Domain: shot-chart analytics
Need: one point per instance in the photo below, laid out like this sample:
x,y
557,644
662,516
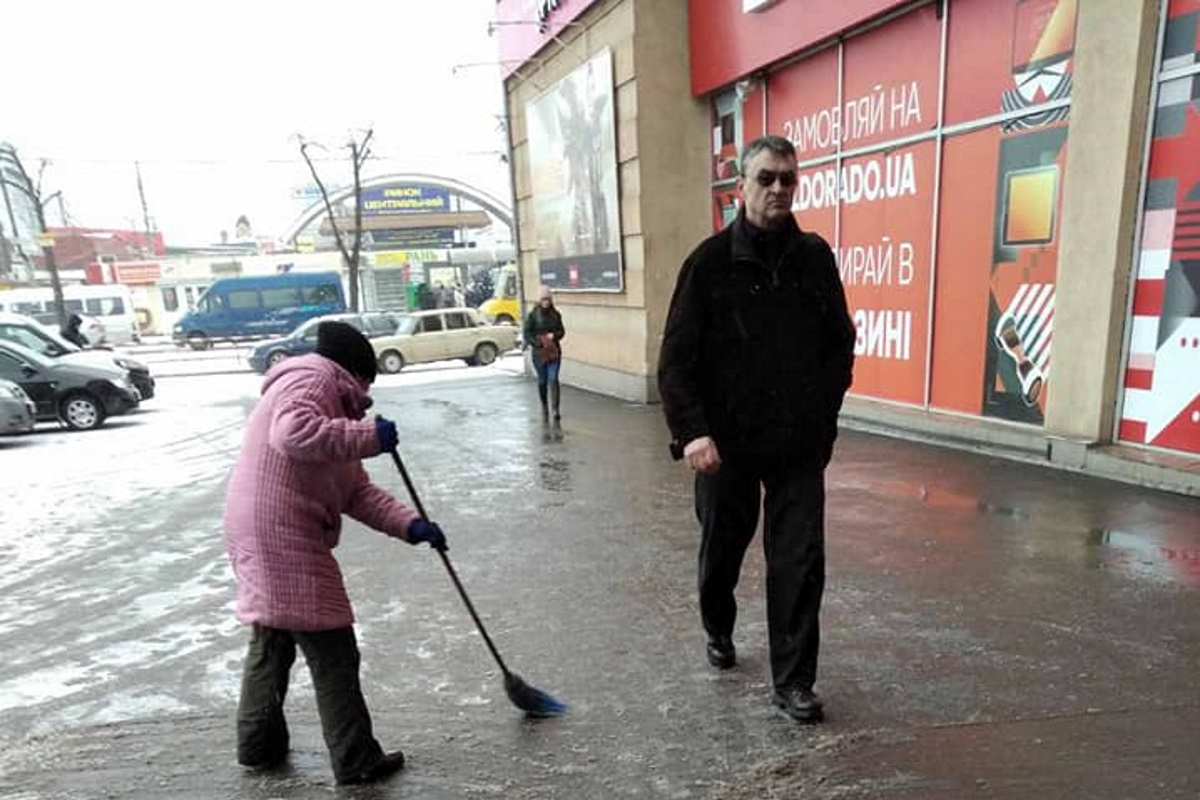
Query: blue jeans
x,y
547,372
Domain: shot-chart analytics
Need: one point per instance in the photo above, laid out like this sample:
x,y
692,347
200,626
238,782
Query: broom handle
x,y
462,592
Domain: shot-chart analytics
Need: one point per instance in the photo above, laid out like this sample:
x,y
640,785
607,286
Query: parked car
x,y
28,332
442,334
82,396
304,338
17,413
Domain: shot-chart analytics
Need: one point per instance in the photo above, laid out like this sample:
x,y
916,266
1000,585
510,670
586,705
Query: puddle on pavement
x,y
1174,558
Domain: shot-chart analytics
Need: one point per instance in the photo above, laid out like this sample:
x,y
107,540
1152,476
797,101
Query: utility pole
x,y
145,212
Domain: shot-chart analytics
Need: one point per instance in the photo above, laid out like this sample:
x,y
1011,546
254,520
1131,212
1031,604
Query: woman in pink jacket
x,y
299,470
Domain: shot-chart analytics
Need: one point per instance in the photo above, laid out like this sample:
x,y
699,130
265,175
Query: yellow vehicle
x,y
504,307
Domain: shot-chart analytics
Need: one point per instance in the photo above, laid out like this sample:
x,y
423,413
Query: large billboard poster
x,y
573,167
1001,193
1161,400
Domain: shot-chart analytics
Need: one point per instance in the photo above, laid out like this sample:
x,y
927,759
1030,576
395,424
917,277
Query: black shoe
x,y
384,768
721,653
800,704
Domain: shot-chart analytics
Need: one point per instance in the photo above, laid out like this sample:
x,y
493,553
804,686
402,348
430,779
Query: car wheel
x,y
275,357
485,354
505,319
391,362
198,341
81,412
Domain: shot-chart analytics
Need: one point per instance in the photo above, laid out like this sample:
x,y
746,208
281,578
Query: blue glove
x,y
385,429
421,531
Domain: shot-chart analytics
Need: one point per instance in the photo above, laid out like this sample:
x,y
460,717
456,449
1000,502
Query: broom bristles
x,y
534,702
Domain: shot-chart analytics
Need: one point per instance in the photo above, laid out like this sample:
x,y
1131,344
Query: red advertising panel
x,y
890,84
804,105
1008,55
997,265
816,201
967,219
1161,400
884,256
727,41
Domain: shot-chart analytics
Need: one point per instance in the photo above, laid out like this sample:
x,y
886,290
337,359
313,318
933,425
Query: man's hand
x,y
702,456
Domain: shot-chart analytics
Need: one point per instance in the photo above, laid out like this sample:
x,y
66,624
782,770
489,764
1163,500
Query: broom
x,y
534,702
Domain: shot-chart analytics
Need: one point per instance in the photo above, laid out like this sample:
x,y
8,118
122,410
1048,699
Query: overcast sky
x,y
209,96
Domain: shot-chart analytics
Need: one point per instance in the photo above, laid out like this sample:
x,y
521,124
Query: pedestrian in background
x,y
544,333
756,357
72,333
299,470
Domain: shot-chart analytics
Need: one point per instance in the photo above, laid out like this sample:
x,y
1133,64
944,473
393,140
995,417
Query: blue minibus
x,y
252,307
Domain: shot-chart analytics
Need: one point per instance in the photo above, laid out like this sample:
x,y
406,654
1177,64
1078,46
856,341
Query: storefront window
x,y
972,238
890,80
802,105
1161,398
1008,56
884,255
998,237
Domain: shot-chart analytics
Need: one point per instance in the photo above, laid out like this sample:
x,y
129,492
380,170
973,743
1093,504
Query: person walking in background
x,y
544,333
298,471
72,333
757,355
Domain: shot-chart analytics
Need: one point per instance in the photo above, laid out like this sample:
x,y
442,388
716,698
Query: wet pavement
x,y
990,629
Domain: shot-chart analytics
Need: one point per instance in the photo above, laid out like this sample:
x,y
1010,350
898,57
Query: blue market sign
x,y
404,199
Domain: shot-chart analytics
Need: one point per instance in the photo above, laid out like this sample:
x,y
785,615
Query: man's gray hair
x,y
776,144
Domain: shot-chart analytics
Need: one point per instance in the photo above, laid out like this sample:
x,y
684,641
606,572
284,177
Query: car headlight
x,y
17,392
178,329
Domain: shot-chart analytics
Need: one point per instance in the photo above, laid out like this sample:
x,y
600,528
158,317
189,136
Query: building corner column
x,y
1114,53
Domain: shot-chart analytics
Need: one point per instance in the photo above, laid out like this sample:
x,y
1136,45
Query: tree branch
x,y
337,233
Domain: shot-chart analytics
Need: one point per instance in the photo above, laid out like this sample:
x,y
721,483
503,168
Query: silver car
x,y
17,412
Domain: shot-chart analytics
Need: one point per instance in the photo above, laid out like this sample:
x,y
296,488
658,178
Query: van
x,y
235,309
111,304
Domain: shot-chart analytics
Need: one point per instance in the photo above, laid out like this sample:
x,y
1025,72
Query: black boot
x,y
554,393
542,396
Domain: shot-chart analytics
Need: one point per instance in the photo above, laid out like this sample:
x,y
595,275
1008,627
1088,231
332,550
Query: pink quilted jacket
x,y
300,469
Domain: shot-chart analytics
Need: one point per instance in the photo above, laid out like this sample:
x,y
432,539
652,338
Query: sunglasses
x,y
766,178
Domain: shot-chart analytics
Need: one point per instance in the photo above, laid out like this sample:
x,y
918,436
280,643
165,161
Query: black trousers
x,y
333,661
727,505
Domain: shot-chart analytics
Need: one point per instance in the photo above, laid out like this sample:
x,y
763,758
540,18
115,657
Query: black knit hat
x,y
343,344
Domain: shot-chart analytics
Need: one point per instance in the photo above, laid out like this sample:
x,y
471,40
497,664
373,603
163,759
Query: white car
x,y
17,412
443,334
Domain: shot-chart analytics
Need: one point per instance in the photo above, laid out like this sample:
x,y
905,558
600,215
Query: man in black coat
x,y
756,357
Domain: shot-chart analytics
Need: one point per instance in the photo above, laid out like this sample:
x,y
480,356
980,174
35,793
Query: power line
x,y
210,162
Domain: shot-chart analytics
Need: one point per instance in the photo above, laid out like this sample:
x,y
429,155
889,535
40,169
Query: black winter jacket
x,y
757,355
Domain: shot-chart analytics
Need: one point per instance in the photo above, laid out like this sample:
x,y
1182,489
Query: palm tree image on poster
x,y
573,169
